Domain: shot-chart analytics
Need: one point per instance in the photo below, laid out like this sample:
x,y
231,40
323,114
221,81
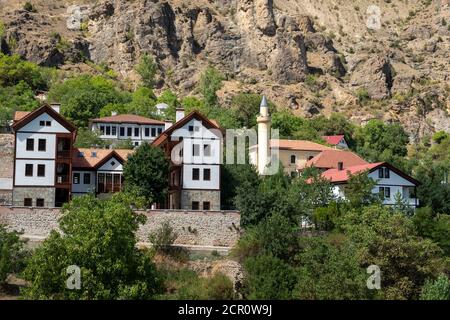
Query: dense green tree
x,y
268,278
14,70
170,98
296,199
388,239
433,226
246,108
210,82
359,190
231,178
287,123
147,69
377,141
276,236
438,289
12,253
18,97
147,171
84,96
434,190
98,236
330,270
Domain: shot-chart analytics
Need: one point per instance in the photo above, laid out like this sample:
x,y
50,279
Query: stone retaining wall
x,y
194,228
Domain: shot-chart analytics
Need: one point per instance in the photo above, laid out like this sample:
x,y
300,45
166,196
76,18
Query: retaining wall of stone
x,y
194,228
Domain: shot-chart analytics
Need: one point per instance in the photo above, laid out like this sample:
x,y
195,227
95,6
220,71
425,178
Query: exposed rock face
x,y
375,75
177,35
261,46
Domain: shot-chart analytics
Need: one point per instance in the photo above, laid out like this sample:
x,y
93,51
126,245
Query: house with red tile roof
x,y
136,128
98,171
337,141
334,159
390,181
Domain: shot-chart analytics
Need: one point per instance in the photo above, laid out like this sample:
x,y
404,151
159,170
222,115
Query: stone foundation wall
x,y
6,197
207,229
187,196
20,193
6,155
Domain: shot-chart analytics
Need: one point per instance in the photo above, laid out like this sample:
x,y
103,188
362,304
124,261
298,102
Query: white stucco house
x,y
389,182
98,171
194,146
128,126
42,158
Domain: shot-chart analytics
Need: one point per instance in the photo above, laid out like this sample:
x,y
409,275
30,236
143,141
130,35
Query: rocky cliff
x,y
369,59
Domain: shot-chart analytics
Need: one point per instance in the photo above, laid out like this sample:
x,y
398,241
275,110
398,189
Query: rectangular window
x,y
386,173
191,128
380,173
76,178
293,159
206,205
136,132
42,123
195,150
41,170
87,178
122,131
48,123
159,130
153,132
207,174
40,202
27,202
30,144
195,174
129,131
195,205
28,170
387,192
114,131
108,130
147,132
207,150
102,129
42,145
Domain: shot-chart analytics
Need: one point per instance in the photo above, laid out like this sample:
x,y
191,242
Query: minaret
x,y
263,136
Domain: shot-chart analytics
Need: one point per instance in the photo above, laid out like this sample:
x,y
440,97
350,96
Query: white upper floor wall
x,y
35,153
44,123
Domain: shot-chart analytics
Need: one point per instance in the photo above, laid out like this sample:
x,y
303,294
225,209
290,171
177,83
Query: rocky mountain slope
x,y
385,59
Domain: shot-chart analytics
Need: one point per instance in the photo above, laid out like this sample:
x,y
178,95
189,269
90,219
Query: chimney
x,y
167,124
56,107
114,113
340,166
179,114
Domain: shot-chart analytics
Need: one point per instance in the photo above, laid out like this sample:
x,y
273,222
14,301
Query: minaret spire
x,y
263,136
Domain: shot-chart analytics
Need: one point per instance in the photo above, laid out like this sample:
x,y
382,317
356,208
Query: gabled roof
x,y
194,114
342,176
27,118
128,118
82,158
20,114
329,159
298,145
333,140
